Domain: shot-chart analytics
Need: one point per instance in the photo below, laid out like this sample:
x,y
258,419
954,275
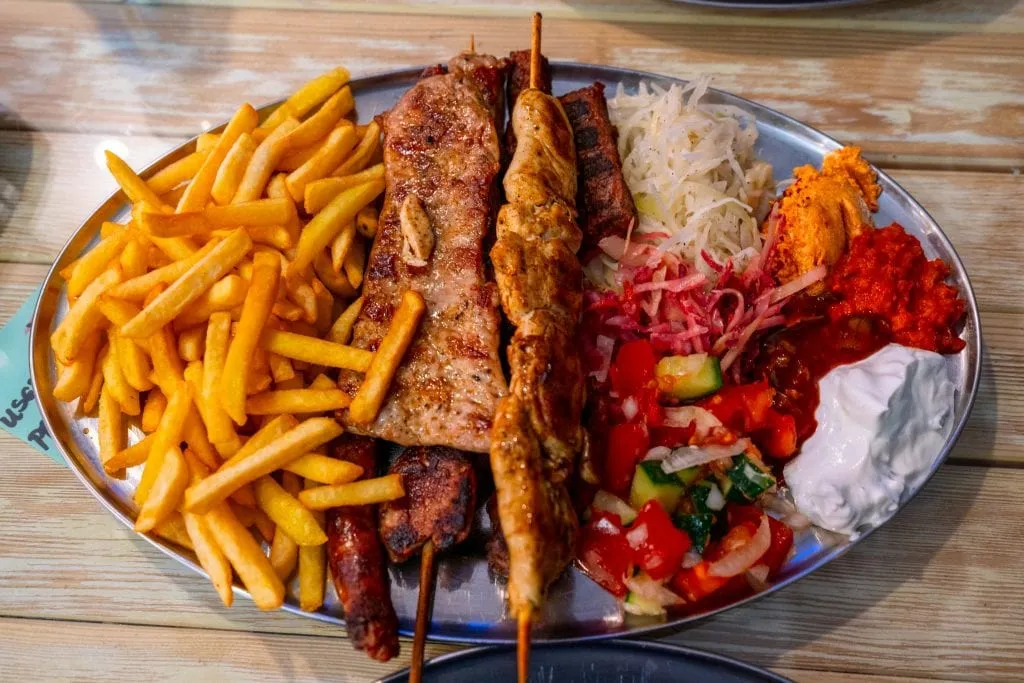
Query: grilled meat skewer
x,y
537,426
441,162
357,564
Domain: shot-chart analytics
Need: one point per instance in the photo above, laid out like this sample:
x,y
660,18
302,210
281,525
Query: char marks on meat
x,y
440,496
356,561
518,81
441,144
604,201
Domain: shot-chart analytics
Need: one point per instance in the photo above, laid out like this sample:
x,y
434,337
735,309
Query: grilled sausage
x,y
357,563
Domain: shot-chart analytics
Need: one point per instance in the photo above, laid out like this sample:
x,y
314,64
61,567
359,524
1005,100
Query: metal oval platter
x,y
469,604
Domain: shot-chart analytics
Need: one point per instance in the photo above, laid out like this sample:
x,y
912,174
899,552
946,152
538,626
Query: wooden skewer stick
x,y
472,43
423,606
523,645
535,52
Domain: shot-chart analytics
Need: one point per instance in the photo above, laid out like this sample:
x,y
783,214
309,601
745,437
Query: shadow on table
x,y
796,617
22,153
734,34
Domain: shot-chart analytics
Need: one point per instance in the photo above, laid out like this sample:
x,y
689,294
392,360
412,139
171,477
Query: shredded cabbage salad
x,y
689,276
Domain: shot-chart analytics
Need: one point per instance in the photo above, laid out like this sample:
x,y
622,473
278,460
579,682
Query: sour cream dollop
x,y
881,423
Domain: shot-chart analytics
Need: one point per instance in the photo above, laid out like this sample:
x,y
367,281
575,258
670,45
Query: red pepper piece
x,y
627,445
633,368
661,553
696,584
604,553
778,438
778,551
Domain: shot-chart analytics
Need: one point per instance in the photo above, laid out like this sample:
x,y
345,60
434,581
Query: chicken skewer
x,y
435,515
537,433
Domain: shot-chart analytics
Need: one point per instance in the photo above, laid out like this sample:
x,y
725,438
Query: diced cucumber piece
x,y
687,377
746,480
652,482
698,526
707,497
689,475
639,605
609,502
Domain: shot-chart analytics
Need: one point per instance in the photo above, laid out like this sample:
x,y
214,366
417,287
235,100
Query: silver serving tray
x,y
469,604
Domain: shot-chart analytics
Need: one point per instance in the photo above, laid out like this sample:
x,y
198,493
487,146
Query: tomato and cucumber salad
x,y
683,458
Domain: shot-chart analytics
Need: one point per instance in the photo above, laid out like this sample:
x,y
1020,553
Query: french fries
x,y
316,351
189,286
370,396
319,193
327,223
148,338
288,513
285,448
246,556
297,401
258,302
197,194
363,492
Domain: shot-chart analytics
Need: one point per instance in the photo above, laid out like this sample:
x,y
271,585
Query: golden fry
x,y
264,161
153,410
284,551
297,441
83,318
134,187
316,351
91,399
366,221
189,286
77,377
166,492
341,330
254,518
93,262
286,310
246,556
341,245
288,513
114,380
135,365
136,288
167,435
224,295
244,496
219,424
308,96
231,170
110,429
324,307
324,120
276,236
264,437
297,401
312,571
319,232
339,143
335,281
258,302
355,264
191,343
372,392
364,152
174,174
363,492
206,141
197,194
210,556
173,530
133,259
136,454
324,470
167,365
320,193
301,294
281,368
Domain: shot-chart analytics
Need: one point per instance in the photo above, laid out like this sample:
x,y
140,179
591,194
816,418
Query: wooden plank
x,y
43,649
932,576
908,97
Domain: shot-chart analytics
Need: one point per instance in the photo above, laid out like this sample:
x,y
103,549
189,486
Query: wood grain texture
x,y
86,653
940,573
912,97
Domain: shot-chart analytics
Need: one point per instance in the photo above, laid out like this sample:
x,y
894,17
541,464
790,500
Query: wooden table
x,y
933,92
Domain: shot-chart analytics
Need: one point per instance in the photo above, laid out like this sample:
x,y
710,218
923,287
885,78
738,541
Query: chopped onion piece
x,y
607,502
742,559
715,501
658,453
637,536
691,559
630,408
757,577
649,589
799,283
684,416
691,456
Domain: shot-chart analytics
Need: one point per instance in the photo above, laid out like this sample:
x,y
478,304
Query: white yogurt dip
x,y
881,424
